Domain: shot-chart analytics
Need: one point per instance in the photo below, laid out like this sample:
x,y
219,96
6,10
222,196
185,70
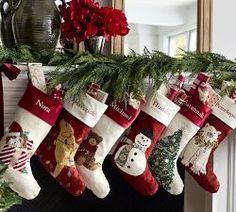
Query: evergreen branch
x,y
119,74
8,198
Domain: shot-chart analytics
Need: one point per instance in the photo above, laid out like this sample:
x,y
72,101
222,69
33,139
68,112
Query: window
x,y
183,41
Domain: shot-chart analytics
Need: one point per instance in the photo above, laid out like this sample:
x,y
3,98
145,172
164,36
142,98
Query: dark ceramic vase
x,y
36,23
7,8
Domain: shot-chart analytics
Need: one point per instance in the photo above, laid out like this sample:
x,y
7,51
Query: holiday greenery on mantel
x,y
119,74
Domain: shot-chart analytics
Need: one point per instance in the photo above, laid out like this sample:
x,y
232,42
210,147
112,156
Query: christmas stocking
x,y
92,152
36,114
57,151
197,155
131,158
163,160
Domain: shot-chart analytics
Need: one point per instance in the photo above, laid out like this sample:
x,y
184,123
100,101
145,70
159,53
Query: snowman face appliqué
x,y
142,141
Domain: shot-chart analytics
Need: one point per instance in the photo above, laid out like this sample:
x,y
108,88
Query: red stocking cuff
x,y
195,110
40,104
122,113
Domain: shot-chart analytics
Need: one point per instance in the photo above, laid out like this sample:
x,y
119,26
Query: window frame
x,y
188,34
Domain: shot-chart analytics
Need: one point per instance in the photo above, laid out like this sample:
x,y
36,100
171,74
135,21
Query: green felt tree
x,y
162,159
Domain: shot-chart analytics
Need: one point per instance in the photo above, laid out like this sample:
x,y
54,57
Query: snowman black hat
x,y
148,133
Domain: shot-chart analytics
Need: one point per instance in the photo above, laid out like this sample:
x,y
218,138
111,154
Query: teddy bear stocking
x,y
58,149
130,156
92,152
186,123
36,114
197,155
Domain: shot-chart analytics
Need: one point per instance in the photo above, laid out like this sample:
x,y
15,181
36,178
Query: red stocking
x,y
131,158
198,153
57,151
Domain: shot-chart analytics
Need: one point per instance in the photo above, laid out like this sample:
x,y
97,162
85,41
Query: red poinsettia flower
x,y
84,19
115,22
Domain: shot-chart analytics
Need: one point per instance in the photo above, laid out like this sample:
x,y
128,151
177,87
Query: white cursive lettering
x,y
42,106
120,110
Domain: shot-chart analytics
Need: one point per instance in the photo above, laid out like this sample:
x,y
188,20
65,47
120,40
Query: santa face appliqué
x,y
130,158
17,140
17,148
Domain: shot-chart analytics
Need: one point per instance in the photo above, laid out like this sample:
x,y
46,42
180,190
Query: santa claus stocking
x,y
57,151
92,152
197,155
131,156
36,114
163,160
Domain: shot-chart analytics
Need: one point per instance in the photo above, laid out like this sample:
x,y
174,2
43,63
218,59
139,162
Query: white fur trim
x,y
37,76
89,111
225,110
160,108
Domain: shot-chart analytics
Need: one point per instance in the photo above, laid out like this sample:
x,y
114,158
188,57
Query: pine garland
x,y
118,74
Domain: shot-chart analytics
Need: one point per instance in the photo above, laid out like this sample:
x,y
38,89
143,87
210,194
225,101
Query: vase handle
x,y
12,6
5,11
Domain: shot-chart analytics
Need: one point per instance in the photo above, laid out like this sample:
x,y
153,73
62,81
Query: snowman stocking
x,y
163,160
131,158
92,152
36,114
197,155
57,151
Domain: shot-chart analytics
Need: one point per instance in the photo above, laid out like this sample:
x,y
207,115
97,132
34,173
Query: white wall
x,y
224,42
154,35
224,31
148,14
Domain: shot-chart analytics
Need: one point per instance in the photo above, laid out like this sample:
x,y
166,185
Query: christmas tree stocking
x,y
57,151
197,155
163,160
131,156
92,152
36,114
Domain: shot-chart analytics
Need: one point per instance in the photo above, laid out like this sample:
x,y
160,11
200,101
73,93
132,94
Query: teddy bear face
x,y
94,139
143,140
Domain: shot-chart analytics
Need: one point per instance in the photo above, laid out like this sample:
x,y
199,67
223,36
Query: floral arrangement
x,y
83,19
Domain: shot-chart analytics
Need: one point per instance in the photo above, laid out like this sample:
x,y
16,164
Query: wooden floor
x,y
122,198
